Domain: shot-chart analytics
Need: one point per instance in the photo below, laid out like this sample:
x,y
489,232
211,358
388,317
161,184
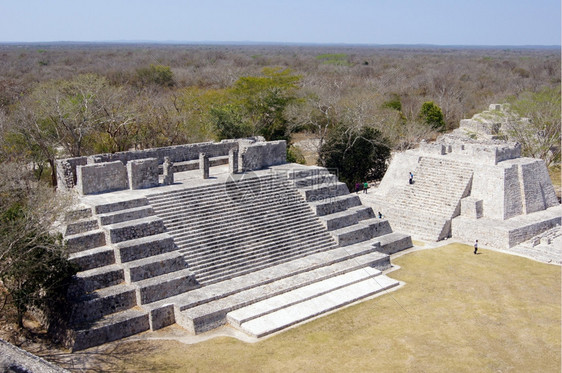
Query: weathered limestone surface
x,y
101,178
263,154
191,255
143,173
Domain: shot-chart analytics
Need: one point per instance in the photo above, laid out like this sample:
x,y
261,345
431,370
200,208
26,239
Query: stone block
x,y
162,316
101,178
143,173
472,207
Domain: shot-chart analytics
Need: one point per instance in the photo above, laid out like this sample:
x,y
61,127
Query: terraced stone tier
x,y
206,308
111,328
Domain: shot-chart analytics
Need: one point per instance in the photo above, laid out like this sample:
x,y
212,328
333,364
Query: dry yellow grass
x,y
458,312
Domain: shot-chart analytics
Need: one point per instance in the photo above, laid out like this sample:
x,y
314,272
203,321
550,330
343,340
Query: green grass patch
x,y
458,312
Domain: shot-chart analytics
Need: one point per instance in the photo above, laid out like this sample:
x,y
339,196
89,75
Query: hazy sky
x,y
444,22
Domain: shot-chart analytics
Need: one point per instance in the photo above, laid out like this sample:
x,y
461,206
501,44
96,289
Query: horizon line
x,y
277,43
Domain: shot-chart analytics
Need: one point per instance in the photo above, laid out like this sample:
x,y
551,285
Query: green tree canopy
x,y
264,100
159,75
432,115
358,154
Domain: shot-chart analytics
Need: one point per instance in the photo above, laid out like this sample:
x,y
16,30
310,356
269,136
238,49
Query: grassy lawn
x,y
458,312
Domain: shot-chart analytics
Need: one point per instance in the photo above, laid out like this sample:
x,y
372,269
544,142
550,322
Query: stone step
x,y
311,171
125,215
111,328
207,192
363,212
298,295
183,221
240,245
120,205
215,200
335,204
255,229
78,214
134,229
84,241
165,286
339,219
261,252
206,308
223,207
81,226
144,247
98,278
314,180
362,231
302,311
394,242
153,266
228,274
93,258
324,191
95,305
423,232
200,261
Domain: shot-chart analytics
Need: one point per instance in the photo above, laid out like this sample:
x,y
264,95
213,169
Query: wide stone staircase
x,y
259,252
425,209
226,230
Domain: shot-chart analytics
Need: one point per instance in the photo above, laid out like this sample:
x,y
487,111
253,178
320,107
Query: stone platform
x,y
289,241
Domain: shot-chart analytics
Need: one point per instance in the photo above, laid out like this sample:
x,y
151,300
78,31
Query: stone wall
x,y
262,154
66,168
503,236
66,171
101,178
143,173
184,157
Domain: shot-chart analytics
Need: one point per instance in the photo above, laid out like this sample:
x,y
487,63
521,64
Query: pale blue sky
x,y
443,22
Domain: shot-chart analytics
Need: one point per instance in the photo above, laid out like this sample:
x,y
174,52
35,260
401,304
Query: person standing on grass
x,y
365,187
475,246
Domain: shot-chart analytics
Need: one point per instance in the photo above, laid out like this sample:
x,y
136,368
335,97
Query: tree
x,y
432,115
358,154
73,118
229,122
159,75
34,269
539,136
265,98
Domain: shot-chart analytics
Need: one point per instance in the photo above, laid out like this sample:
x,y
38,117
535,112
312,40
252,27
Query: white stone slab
x,y
307,309
299,295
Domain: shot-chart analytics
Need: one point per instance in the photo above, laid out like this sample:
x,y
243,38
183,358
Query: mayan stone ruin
x,y
204,235
470,184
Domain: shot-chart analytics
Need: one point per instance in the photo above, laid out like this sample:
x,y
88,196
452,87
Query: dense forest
x,y
71,100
